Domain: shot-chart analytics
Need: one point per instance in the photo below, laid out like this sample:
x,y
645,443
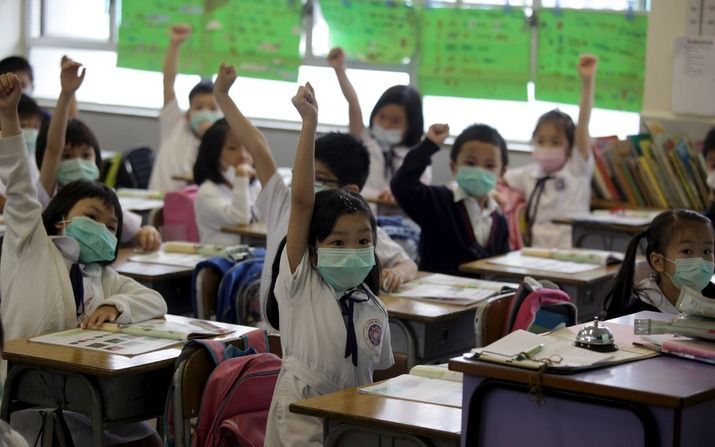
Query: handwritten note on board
x,y
373,31
474,53
261,38
619,42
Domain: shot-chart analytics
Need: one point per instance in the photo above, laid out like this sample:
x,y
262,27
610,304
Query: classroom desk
x,y
171,281
668,400
430,331
111,389
183,178
351,418
601,235
587,289
251,234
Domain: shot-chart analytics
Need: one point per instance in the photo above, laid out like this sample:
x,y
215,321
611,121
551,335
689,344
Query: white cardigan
x,y
35,286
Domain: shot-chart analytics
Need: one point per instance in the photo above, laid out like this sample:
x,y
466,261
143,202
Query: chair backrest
x,y
135,168
179,217
205,283
491,318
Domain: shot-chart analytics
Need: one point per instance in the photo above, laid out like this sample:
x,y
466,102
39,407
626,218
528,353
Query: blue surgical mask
x,y
77,169
202,117
691,272
96,242
30,136
476,181
386,137
345,268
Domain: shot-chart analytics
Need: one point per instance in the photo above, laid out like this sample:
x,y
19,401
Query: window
x,y
87,29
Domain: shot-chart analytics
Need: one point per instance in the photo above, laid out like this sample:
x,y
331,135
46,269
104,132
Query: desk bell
x,y
596,338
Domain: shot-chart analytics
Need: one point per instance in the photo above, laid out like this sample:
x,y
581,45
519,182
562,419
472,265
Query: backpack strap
x,y
256,339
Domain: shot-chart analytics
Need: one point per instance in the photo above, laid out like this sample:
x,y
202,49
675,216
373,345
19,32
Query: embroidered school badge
x,y
372,333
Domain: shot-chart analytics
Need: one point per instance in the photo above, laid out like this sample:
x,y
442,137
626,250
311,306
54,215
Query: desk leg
x,y
411,341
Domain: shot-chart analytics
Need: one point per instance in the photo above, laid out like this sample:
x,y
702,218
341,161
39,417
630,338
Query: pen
x,y
530,352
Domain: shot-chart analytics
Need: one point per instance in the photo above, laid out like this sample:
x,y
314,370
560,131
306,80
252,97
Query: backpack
x,y
203,296
403,232
238,300
539,307
218,352
179,218
236,400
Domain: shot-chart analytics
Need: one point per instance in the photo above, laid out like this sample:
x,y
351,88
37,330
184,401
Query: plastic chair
x,y
135,168
491,319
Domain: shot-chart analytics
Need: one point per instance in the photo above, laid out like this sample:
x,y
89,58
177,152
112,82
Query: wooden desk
x,y
601,235
352,418
251,234
675,399
587,289
111,389
183,178
172,282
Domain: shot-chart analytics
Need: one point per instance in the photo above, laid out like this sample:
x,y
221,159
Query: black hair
x,y
202,88
15,64
409,98
329,206
709,143
66,198
483,133
28,108
207,166
622,294
345,156
78,133
562,121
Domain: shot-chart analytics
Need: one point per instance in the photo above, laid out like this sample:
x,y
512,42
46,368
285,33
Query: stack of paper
x,y
452,289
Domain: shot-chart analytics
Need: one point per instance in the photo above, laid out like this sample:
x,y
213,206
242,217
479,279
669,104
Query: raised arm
x,y
336,59
179,33
71,77
587,71
10,90
247,134
302,193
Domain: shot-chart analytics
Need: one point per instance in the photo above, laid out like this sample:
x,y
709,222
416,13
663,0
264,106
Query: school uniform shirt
x,y
34,172
219,205
382,170
9,437
648,292
178,147
131,222
567,191
43,302
455,229
273,205
314,332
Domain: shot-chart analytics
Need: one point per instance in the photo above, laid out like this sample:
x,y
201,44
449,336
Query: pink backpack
x,y
179,217
539,307
234,407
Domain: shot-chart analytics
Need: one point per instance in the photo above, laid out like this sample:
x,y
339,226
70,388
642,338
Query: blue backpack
x,y
238,300
403,231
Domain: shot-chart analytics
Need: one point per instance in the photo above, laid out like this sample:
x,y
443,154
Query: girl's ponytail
x,y
272,313
620,295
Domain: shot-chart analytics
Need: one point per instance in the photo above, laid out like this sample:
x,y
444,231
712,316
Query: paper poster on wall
x,y
694,76
374,31
261,38
616,38
474,53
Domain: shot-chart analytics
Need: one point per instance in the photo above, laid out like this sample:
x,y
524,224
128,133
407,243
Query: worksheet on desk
x,y
516,259
452,289
108,342
419,389
175,259
139,204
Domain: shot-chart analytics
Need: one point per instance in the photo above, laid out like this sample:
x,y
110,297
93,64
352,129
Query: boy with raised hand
x,y
340,162
180,132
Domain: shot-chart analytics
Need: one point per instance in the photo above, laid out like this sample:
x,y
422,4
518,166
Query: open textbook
x,y
452,289
518,259
582,256
133,339
421,386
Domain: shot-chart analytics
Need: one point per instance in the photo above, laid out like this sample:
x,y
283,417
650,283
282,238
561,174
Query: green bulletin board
x,y
619,42
374,31
474,53
262,38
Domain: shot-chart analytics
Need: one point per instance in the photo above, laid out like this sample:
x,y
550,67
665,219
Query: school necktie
x,y
77,287
532,205
389,156
347,307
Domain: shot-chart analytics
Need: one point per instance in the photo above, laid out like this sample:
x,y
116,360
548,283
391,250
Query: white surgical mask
x,y
387,137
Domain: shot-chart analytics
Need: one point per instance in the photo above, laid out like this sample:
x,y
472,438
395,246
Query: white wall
x,y
12,41
666,23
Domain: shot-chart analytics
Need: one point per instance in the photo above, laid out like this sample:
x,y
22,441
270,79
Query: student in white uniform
x,y
180,132
335,331
53,273
396,125
228,185
559,183
341,161
679,250
69,151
